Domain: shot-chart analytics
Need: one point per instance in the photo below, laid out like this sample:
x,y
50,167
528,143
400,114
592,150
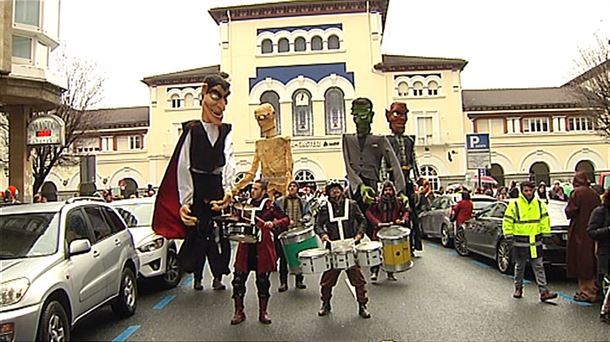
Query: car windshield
x,y
481,204
28,235
136,214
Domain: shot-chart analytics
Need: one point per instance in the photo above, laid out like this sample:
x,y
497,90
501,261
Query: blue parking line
x,y
454,253
433,245
570,299
186,281
480,264
164,302
126,333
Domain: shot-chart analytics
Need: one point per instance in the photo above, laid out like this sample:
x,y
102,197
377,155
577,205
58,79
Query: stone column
x,y
20,166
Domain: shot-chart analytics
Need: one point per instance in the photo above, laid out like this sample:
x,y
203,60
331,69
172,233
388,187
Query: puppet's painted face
x,y
265,117
363,117
214,103
397,117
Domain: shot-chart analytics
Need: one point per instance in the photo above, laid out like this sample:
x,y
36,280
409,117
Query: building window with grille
x,y
430,174
135,142
27,12
403,89
175,101
580,123
283,45
107,144
334,43
418,89
424,130
334,107
22,47
432,88
536,125
300,44
273,98
303,176
316,43
267,46
301,108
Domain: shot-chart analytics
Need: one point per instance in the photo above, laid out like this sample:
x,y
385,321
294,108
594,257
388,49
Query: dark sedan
x,y
483,235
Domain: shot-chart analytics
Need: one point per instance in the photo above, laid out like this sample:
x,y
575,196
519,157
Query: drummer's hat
x,y
333,183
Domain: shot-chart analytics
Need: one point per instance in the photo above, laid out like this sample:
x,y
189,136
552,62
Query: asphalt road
x,y
444,297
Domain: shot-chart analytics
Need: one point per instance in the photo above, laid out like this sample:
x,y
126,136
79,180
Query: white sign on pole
x,y
478,160
478,155
46,130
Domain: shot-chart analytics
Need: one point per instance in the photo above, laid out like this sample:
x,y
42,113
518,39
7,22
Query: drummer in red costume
x,y
258,257
387,209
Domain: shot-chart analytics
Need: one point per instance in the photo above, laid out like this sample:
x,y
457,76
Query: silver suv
x,y
59,262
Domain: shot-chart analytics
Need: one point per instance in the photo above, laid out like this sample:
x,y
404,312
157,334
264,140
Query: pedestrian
x,y
353,225
388,208
513,192
293,206
581,248
462,211
258,257
503,193
197,184
541,193
599,230
526,222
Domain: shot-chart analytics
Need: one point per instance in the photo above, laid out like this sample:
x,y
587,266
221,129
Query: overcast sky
x,y
508,43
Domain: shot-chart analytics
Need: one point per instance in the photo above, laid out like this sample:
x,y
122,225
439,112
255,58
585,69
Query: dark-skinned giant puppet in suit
x,y
404,148
363,153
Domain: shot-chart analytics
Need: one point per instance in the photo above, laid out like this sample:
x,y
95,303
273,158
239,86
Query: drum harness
x,y
339,220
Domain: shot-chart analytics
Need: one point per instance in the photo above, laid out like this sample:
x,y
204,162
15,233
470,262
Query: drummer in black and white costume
x,y
293,206
341,219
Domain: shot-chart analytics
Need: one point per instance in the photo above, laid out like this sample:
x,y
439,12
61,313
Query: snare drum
x,y
368,254
396,248
343,257
295,241
244,232
316,260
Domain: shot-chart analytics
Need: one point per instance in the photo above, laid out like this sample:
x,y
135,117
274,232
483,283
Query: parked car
x,y
483,235
158,255
60,261
435,220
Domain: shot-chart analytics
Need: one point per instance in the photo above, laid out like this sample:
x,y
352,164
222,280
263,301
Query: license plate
x,y
564,237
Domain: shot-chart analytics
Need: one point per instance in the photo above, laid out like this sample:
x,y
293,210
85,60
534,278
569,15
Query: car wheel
x,y
504,259
460,242
446,240
54,324
125,304
173,274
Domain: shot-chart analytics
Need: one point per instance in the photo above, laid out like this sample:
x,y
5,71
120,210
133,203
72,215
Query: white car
x,y
158,255
60,261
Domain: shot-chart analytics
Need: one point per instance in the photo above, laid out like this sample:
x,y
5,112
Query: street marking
x,y
433,245
186,281
454,253
570,299
164,302
351,288
480,264
126,333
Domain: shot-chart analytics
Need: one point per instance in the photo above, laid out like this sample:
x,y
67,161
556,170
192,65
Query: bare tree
x,y
592,86
84,90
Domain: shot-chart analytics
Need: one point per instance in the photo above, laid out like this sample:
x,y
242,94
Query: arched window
x,y
333,42
316,43
334,111
300,44
273,98
267,46
283,45
304,175
587,167
429,173
403,89
432,88
497,172
302,113
188,101
175,101
539,172
418,89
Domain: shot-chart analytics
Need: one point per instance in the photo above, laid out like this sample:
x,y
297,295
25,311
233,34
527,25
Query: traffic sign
x,y
478,155
478,160
477,142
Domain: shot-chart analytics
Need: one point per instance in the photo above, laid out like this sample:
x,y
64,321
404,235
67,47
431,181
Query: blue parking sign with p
x,y
478,141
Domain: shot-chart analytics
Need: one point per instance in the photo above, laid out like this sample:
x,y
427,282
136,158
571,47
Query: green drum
x,y
295,241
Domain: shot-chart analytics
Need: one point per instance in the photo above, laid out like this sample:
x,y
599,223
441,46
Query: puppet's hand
x,y
367,193
185,216
222,204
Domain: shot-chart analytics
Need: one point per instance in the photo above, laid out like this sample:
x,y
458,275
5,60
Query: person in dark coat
x,y
258,257
581,248
599,230
462,211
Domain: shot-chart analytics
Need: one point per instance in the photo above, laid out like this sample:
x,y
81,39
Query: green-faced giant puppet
x,y
363,153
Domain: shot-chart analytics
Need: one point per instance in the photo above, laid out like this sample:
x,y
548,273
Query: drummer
x,y
259,257
332,224
387,209
293,206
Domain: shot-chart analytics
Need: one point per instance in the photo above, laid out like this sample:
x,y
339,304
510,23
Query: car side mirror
x,y
80,246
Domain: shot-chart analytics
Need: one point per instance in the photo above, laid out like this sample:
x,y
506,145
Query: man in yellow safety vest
x,y
526,222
